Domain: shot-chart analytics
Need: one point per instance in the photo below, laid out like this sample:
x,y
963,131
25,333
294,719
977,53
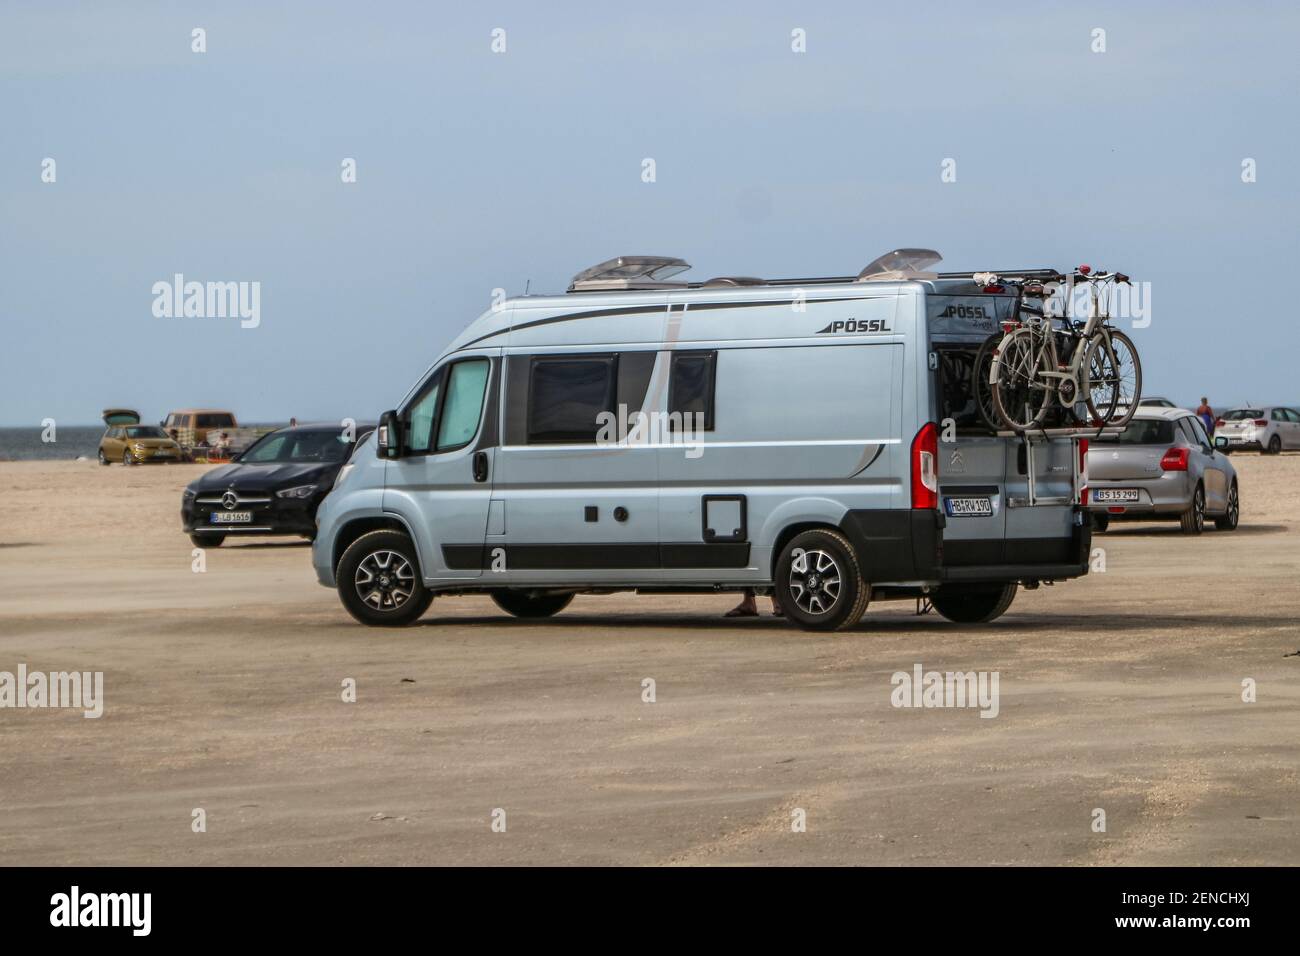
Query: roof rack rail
x,y
630,272
728,282
1008,274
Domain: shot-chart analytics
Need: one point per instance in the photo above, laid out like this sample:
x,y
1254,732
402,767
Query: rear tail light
x,y
996,289
1175,459
1261,423
1083,471
1218,423
925,467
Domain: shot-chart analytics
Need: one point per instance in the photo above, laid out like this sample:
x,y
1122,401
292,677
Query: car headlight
x,y
301,491
188,494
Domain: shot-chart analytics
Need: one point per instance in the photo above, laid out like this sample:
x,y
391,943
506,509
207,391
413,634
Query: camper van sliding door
x,y
573,493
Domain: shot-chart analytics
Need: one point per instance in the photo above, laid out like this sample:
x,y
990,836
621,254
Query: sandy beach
x,y
222,692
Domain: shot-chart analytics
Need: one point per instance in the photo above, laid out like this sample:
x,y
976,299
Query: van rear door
x,y
972,466
1041,518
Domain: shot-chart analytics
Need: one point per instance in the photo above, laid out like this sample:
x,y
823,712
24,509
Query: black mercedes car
x,y
273,487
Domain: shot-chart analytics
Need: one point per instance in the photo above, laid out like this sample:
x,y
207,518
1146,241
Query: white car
x,y
1266,428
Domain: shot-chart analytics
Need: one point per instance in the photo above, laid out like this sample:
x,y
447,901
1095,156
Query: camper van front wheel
x,y
379,580
819,581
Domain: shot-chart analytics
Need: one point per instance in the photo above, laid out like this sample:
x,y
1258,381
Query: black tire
x,y
973,603
207,540
1100,522
1228,520
523,603
1119,361
980,387
798,583
382,567
1021,395
1275,445
1193,519
102,460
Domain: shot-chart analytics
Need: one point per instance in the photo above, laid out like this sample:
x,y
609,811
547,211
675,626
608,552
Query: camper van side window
x,y
566,394
463,406
690,387
420,415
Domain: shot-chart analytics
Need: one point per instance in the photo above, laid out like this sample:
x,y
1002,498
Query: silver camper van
x,y
817,436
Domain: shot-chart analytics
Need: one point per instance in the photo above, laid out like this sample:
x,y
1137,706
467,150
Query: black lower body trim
x,y
1014,572
961,553
896,545
908,545
586,557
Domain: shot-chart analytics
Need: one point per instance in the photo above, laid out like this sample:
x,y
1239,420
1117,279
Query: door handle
x,y
480,466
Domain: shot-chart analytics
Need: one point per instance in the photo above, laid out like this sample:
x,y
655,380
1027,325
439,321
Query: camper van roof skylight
x,y
901,264
630,272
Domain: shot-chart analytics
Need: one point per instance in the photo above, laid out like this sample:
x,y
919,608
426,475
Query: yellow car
x,y
131,443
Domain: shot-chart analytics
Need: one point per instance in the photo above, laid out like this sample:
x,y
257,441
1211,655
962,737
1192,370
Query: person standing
x,y
748,606
1206,414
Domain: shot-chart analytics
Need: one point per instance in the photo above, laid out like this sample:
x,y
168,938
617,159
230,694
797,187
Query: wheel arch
x,y
790,531
356,527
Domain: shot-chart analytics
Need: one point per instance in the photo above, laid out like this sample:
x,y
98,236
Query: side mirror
x,y
389,441
1220,442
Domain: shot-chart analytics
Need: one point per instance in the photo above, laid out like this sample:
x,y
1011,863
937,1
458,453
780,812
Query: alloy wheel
x,y
815,581
384,580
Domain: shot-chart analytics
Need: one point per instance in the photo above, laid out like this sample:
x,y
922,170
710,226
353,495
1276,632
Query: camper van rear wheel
x,y
973,603
819,581
379,580
522,603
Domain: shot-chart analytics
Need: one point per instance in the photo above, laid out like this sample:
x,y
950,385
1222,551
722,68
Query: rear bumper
x,y
1169,494
907,545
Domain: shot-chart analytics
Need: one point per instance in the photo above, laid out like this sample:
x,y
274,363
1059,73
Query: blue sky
x,y
479,170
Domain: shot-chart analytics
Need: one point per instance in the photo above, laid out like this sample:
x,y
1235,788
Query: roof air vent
x,y
901,264
630,272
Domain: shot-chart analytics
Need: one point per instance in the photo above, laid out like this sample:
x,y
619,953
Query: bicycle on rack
x,y
1085,368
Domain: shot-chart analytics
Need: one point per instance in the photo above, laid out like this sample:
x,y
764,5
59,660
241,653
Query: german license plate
x,y
231,517
969,507
1115,494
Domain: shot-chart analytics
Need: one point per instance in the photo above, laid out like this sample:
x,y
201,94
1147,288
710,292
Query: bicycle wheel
x,y
1020,389
1114,377
980,387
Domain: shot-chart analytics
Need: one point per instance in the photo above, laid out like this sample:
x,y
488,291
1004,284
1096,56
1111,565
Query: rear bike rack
x,y
1032,436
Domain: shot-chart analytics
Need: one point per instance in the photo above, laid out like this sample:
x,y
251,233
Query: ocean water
x,y
71,442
